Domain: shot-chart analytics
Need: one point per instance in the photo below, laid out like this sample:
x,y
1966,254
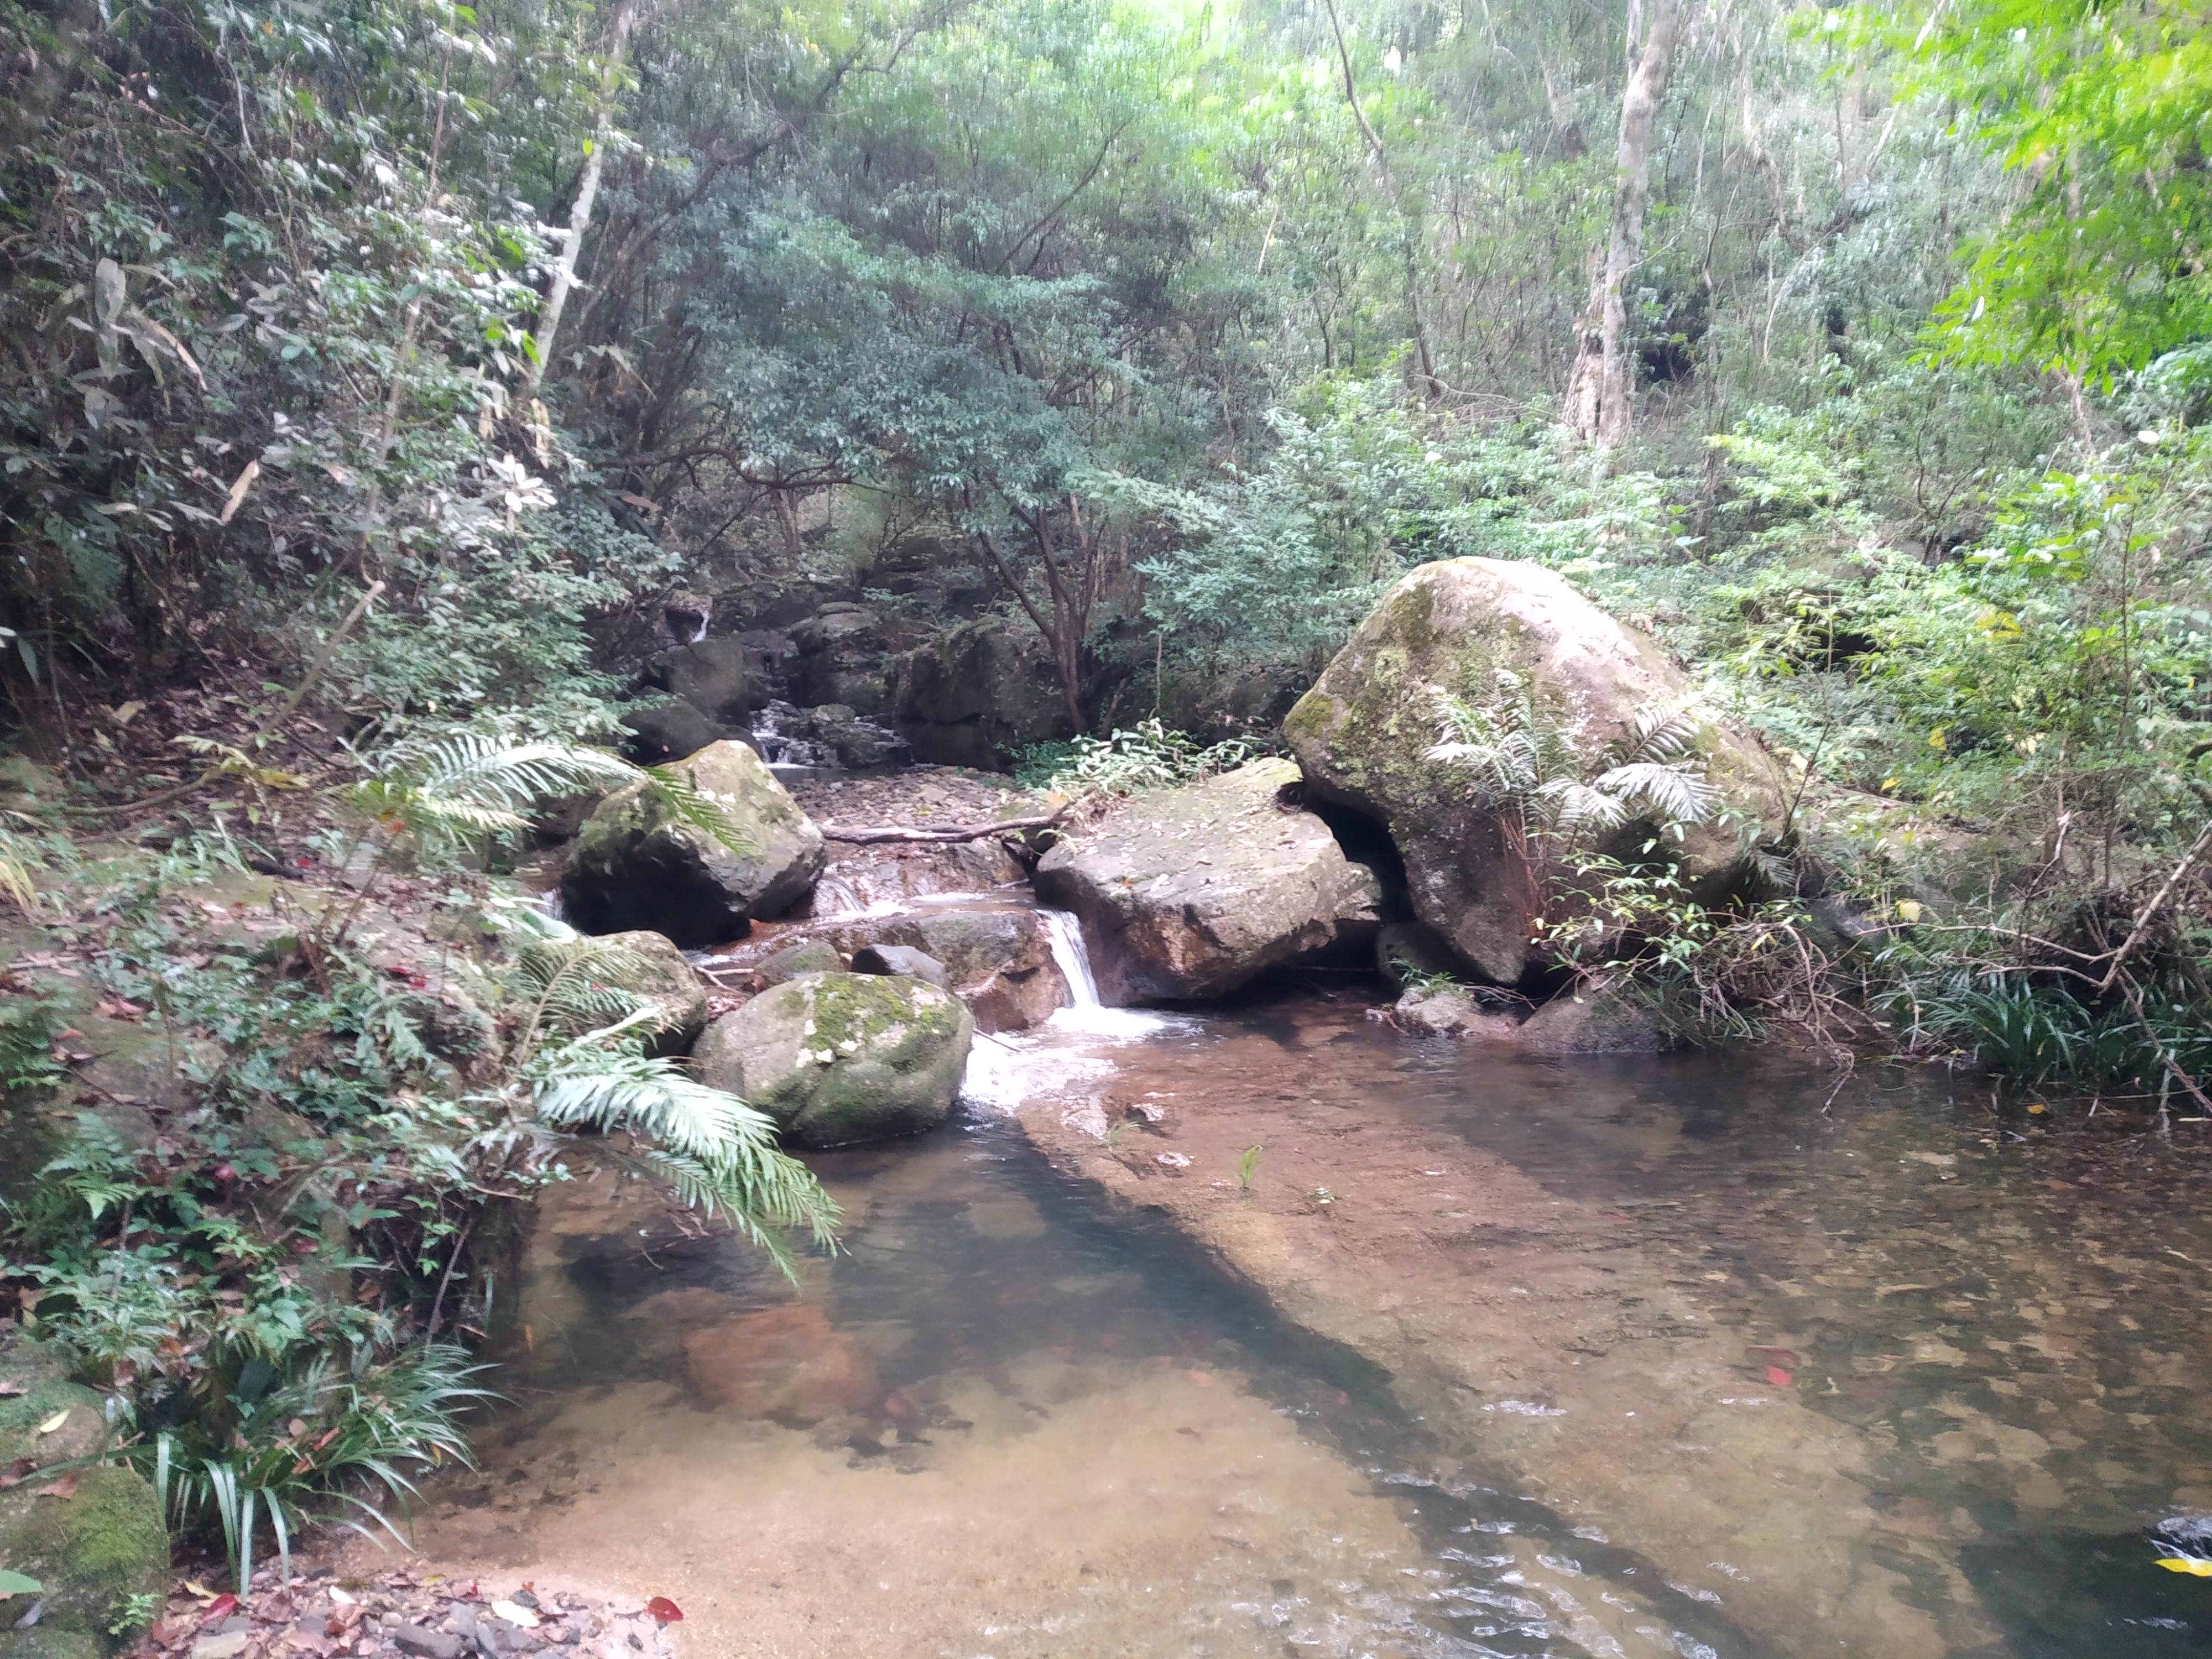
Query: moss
x,y
21,1416
42,1642
860,1008
92,1551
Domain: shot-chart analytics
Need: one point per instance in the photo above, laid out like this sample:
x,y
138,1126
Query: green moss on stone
x,y
92,1551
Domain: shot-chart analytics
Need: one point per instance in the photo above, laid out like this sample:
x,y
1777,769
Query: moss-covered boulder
x,y
92,1536
977,693
636,865
91,1549
1191,892
1362,736
661,974
838,1057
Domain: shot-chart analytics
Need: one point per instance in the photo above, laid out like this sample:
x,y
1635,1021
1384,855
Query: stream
x,y
1014,1418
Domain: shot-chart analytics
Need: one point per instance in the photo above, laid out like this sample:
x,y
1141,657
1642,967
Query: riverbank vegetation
x,y
383,379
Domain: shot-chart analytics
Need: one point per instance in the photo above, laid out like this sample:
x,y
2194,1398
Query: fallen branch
x,y
879,834
2148,913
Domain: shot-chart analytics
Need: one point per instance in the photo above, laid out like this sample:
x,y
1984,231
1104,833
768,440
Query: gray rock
x,y
1451,1011
227,1645
92,1551
837,1058
715,676
1363,733
427,1644
902,959
804,956
1596,1018
637,865
668,730
1190,892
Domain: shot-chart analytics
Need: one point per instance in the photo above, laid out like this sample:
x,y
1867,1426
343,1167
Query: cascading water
x,y
1065,934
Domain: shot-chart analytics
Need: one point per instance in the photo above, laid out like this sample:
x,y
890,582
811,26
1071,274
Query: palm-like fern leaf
x,y
717,1154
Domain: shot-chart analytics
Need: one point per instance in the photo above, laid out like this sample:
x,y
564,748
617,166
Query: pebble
x,y
423,1643
223,1644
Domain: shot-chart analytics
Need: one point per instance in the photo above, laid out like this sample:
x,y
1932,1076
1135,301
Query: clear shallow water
x,y
1006,1421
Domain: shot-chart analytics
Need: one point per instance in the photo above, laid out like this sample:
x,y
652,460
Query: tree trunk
x,y
1598,391
1409,215
580,215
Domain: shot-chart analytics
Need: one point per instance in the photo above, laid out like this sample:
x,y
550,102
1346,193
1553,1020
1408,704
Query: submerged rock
x,y
638,865
1362,736
1451,1011
789,1364
837,1058
1193,892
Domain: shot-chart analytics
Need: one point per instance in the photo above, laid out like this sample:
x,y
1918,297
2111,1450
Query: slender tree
x,y
1599,403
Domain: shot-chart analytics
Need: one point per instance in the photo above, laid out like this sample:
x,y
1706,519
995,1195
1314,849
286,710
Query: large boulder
x,y
636,865
1362,736
843,656
978,692
719,678
1192,891
838,1057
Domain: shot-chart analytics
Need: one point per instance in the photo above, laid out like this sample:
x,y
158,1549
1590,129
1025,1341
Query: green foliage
x,y
2099,112
1524,758
1147,756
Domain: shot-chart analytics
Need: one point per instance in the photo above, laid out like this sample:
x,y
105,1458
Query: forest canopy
x,y
1859,351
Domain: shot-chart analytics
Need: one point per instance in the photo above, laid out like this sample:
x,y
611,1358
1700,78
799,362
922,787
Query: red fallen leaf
x,y
221,1607
1778,1377
16,1473
662,1611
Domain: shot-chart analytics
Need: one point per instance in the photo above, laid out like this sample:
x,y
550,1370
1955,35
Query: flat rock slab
x,y
1192,893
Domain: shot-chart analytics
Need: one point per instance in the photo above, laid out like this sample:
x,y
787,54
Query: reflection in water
x,y
1003,1422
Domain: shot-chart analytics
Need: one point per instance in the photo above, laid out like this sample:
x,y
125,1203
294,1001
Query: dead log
x,y
882,834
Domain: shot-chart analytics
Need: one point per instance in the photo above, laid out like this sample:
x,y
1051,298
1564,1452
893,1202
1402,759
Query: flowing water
x,y
1010,1420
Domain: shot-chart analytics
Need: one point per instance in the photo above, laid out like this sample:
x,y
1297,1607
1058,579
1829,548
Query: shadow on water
x,y
2008,1311
1000,1257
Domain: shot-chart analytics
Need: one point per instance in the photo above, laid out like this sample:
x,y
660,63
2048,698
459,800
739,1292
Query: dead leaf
x,y
237,497
64,1487
17,1473
55,1421
10,1390
515,1613
663,1611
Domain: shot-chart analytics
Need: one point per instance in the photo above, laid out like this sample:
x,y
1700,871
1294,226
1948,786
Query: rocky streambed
x,y
1217,1280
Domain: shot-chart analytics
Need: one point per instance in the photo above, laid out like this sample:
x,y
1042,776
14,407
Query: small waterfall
x,y
1064,933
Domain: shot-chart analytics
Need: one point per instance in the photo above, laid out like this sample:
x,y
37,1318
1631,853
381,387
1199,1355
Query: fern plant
x,y
716,1154
1523,760
462,788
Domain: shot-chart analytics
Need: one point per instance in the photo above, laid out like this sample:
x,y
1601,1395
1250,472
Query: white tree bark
x,y
580,215
1599,391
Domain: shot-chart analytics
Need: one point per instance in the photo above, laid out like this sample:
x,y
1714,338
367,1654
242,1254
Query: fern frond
x,y
718,1154
1673,790
696,808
